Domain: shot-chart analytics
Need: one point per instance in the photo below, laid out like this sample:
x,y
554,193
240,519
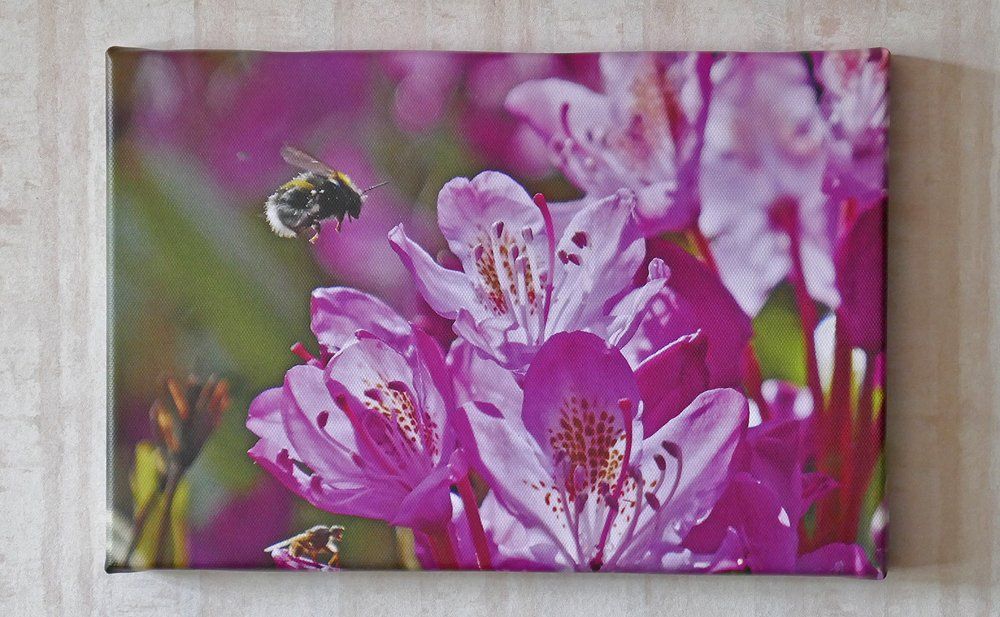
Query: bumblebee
x,y
299,206
312,543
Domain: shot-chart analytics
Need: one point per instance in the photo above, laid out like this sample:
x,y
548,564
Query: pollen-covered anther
x,y
527,234
563,256
625,404
574,259
322,418
580,239
497,229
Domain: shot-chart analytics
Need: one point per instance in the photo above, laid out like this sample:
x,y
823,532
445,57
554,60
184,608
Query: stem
x,y
834,426
442,550
859,471
787,217
140,526
475,523
166,523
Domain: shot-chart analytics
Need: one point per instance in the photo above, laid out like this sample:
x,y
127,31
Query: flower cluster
x,y
602,406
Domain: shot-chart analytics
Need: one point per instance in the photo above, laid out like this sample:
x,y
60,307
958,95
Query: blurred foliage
x,y
155,542
778,338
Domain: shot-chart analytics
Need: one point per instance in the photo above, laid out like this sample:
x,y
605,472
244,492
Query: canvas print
x,y
617,312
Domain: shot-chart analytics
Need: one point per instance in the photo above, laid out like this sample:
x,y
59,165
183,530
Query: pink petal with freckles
x,y
580,365
484,207
446,291
606,264
707,433
503,453
326,449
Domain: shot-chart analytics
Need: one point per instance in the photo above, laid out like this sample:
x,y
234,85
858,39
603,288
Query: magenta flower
x,y
693,300
642,132
574,461
762,178
433,87
519,283
770,493
855,104
363,430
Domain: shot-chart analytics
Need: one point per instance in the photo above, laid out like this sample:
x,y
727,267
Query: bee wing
x,y
307,162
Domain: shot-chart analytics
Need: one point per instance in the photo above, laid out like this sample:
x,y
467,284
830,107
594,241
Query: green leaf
x,y
147,486
777,338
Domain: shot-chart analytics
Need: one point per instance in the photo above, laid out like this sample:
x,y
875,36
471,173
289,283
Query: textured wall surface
x,y
944,299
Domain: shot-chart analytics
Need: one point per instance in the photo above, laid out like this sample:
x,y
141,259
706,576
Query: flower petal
x,y
577,377
501,451
601,250
670,379
446,291
338,313
694,299
706,434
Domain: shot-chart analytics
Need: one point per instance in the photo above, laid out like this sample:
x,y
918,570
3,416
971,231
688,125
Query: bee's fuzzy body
x,y
305,201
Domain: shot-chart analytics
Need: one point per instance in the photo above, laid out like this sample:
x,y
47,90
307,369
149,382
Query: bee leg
x,y
315,236
334,559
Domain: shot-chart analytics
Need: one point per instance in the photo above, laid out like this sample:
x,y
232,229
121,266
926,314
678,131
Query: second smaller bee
x,y
313,543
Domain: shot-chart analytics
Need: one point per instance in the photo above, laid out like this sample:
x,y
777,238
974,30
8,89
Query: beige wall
x,y
944,358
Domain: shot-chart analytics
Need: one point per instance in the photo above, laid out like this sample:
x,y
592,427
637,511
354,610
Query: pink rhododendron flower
x,y
769,494
363,430
430,87
692,300
575,462
641,132
855,104
519,283
761,183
